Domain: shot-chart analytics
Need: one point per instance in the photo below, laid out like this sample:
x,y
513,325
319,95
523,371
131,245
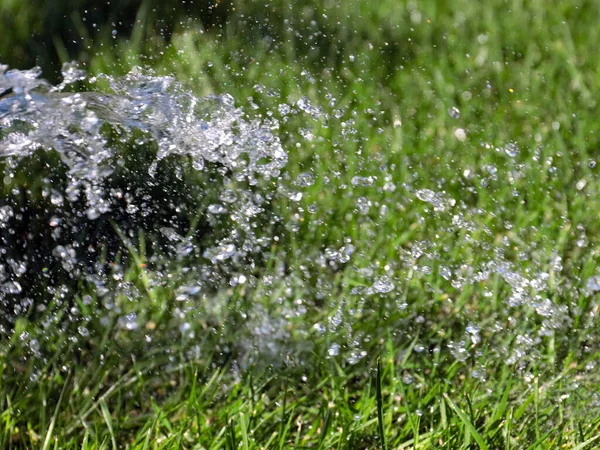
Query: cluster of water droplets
x,y
212,129
241,164
120,157
465,266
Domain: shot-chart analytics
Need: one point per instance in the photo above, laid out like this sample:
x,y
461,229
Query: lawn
x,y
422,269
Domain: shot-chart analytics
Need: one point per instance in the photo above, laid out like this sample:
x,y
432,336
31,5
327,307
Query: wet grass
x,y
302,356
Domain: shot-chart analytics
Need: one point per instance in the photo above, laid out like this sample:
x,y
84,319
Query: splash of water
x,y
128,150
85,171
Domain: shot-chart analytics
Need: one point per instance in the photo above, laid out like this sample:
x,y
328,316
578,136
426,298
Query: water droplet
x,y
55,221
56,198
216,209
593,284
383,285
304,104
11,287
511,149
460,134
295,196
334,350
454,112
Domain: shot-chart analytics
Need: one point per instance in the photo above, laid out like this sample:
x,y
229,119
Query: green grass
x,y
256,367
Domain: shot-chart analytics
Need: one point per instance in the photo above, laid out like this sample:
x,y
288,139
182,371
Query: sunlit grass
x,y
522,74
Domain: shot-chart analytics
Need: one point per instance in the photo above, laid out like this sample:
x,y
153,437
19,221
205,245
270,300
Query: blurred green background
x,y
46,31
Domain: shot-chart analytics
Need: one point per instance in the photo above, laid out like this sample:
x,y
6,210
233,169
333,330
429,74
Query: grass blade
x,y
380,405
231,434
55,415
108,420
537,443
245,442
470,427
324,429
583,445
149,434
